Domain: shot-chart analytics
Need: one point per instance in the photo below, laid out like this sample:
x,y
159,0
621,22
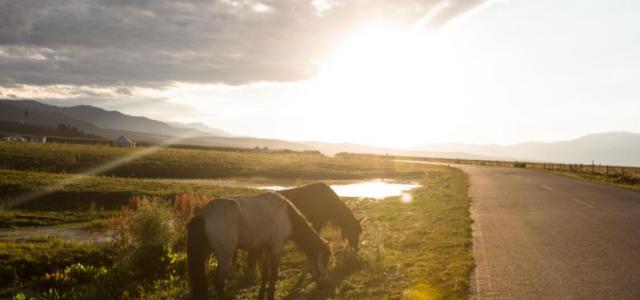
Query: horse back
x,y
318,202
264,221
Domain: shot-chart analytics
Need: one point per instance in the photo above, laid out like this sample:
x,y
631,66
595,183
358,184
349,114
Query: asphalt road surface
x,y
542,236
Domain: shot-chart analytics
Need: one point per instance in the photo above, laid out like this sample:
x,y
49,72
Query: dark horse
x,y
263,223
320,205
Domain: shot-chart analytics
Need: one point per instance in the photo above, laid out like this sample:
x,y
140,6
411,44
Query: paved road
x,y
542,236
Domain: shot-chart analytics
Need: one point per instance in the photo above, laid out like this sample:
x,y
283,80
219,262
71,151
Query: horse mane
x,y
320,194
303,235
344,216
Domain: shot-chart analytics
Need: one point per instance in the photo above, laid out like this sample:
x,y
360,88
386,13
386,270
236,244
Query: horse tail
x,y
198,252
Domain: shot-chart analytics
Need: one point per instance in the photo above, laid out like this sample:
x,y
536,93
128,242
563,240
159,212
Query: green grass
x,y
195,163
624,181
16,218
416,250
12,181
84,192
28,262
422,248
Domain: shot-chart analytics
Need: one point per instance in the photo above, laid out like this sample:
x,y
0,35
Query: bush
x,y
185,206
147,229
152,225
71,276
519,164
144,223
23,262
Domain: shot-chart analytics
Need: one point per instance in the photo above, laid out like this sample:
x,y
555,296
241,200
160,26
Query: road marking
x,y
582,202
547,187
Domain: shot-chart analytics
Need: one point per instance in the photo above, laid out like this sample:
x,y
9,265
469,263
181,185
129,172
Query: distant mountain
x,y
35,113
112,124
612,148
107,119
201,127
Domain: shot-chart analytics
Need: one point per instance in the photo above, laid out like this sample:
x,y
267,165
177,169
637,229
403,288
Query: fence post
x,y
593,166
606,170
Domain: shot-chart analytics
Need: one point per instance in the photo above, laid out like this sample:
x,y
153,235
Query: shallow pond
x,y
376,188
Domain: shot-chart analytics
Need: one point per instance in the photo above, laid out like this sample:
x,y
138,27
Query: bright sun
x,y
379,72
377,54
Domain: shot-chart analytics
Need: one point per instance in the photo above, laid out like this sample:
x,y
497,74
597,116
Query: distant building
x,y
124,141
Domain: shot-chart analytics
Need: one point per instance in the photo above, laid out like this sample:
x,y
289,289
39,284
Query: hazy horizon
x,y
368,72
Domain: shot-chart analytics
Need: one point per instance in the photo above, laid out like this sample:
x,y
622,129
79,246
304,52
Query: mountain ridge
x,y
612,148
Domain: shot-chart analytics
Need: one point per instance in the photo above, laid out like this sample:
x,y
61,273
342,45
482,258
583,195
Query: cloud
x,y
155,43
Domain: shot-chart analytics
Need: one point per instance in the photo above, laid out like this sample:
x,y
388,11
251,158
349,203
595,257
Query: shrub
x,y
519,164
152,225
147,230
185,206
71,276
144,223
24,261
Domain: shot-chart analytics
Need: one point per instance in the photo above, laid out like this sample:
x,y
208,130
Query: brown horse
x,y
260,223
320,205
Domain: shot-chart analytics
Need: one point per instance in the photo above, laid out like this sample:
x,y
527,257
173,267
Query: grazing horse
x,y
263,223
320,205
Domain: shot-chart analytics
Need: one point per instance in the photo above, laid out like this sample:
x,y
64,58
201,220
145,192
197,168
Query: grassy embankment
x,y
627,181
417,250
620,176
185,163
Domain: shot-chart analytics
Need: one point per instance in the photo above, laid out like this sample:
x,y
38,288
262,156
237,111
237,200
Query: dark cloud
x,y
157,42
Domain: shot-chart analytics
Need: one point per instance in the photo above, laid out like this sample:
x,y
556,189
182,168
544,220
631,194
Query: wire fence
x,y
593,168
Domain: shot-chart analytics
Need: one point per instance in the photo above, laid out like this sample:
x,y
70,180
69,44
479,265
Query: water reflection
x,y
377,189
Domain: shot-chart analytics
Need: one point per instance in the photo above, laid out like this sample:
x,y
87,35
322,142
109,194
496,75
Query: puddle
x,y
377,189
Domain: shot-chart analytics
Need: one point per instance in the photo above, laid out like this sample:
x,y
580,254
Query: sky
x,y
385,73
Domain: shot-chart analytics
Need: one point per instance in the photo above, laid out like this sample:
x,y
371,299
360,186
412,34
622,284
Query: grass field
x,y
415,250
185,163
83,192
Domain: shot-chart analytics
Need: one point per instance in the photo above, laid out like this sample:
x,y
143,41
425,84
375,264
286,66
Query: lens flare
x,y
406,198
27,197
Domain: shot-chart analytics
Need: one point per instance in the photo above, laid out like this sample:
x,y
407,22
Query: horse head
x,y
353,233
320,265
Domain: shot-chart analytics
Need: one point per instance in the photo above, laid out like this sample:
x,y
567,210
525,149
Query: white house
x,y
124,141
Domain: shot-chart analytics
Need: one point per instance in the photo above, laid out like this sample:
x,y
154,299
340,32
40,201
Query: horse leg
x,y
222,271
275,261
266,271
250,268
